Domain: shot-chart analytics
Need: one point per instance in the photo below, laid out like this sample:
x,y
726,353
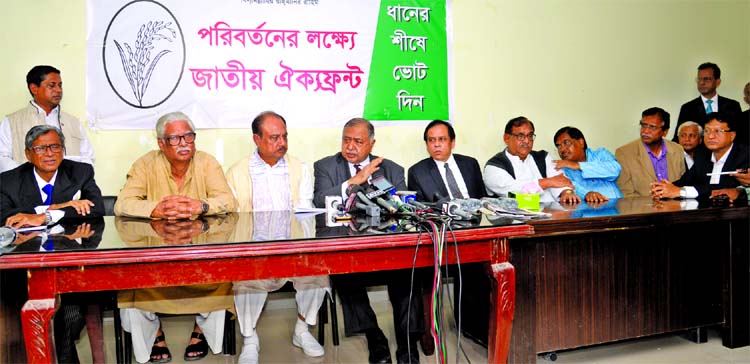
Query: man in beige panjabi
x,y
175,182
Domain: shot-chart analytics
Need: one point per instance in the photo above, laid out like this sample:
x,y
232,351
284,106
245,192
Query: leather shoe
x,y
427,343
403,357
377,345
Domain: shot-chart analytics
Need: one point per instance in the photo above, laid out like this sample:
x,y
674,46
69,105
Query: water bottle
x,y
7,236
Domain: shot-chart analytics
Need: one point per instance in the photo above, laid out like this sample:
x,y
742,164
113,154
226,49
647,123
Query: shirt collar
x,y
714,99
512,157
44,113
723,158
451,161
257,161
363,163
663,149
41,182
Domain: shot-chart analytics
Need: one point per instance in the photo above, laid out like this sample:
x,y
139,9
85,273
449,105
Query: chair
x,y
109,205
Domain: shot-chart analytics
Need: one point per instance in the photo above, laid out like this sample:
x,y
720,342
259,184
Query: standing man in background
x,y
45,85
650,158
743,122
708,80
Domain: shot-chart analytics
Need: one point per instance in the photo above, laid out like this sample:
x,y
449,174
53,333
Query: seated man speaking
x,y
175,182
43,191
711,171
593,172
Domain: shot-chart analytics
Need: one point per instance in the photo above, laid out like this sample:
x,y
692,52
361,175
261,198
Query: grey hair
x,y
167,118
690,123
38,130
361,121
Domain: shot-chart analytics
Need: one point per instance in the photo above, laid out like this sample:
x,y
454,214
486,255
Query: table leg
x,y
36,316
502,306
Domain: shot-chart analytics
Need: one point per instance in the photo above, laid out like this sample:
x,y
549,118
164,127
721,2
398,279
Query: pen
x,y
728,172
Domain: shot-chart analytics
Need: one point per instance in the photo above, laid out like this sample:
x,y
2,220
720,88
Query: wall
x,y
594,64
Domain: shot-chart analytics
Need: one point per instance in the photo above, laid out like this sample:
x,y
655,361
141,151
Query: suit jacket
x,y
425,178
738,158
638,172
332,171
695,110
743,129
19,192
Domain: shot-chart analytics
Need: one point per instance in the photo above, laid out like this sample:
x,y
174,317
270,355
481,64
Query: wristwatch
x,y
683,192
47,218
204,208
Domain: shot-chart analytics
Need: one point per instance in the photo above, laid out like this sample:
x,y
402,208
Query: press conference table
x,y
629,269
127,254
587,275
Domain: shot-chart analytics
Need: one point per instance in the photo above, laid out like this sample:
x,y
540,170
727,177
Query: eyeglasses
x,y
189,138
704,79
567,143
649,127
41,149
520,137
718,132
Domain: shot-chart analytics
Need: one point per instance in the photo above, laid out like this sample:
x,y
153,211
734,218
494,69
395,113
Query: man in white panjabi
x,y
271,183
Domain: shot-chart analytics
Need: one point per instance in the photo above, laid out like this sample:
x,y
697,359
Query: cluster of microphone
x,y
372,201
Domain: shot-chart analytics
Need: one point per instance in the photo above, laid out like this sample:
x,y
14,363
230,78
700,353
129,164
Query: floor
x,y
276,324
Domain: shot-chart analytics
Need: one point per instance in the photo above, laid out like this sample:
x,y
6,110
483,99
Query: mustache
x,y
182,149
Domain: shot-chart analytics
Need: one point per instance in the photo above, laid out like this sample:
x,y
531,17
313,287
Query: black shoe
x,y
377,345
403,357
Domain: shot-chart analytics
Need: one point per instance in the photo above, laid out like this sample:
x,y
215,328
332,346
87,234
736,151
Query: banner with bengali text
x,y
318,63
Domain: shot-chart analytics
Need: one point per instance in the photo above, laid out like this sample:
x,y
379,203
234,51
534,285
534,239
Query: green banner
x,y
409,70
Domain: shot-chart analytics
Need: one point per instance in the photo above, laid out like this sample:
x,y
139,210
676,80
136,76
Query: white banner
x,y
224,61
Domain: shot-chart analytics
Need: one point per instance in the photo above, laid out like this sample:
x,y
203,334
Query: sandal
x,y
158,351
201,348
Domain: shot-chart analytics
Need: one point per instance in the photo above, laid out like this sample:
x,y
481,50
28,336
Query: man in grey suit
x,y
354,165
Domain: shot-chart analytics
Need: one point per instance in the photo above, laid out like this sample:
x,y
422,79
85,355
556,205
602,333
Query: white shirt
x,y
6,140
499,182
688,160
714,103
267,196
352,172
715,177
56,214
456,174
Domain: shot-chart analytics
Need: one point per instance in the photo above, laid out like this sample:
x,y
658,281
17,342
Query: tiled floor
x,y
276,324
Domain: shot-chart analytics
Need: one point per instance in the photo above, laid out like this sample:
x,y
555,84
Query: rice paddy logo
x,y
143,53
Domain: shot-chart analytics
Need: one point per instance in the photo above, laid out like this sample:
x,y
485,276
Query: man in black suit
x,y
743,122
708,80
73,193
430,179
726,156
354,165
44,191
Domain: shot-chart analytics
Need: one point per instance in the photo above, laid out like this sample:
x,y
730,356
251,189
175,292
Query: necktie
x,y
48,190
47,243
357,168
452,185
708,106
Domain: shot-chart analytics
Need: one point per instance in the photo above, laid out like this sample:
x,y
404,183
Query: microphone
x,y
386,205
454,209
369,210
